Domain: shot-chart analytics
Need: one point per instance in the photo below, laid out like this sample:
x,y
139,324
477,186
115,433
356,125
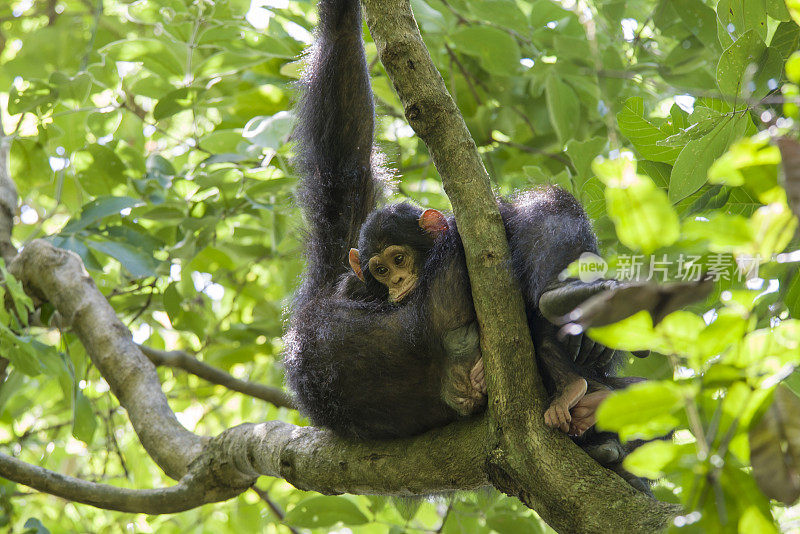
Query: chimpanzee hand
x,y
464,388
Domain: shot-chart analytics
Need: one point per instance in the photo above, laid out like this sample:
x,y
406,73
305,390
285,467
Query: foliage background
x,y
151,137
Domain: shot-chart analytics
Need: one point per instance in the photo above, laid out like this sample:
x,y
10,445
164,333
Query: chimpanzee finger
x,y
548,418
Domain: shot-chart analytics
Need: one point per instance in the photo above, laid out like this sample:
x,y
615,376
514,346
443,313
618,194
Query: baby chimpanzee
x,y
398,241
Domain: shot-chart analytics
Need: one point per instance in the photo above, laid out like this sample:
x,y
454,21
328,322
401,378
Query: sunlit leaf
x,y
646,410
497,51
643,133
324,511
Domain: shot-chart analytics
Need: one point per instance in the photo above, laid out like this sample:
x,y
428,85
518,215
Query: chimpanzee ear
x,y
433,222
355,263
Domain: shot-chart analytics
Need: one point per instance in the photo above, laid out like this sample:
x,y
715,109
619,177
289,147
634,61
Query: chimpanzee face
x,y
395,267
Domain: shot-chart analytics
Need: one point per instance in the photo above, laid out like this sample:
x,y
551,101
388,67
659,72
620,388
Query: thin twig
x,y
274,507
179,359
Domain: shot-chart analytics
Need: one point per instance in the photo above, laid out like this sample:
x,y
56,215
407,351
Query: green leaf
x,y
767,346
792,298
496,50
84,422
634,333
773,226
503,12
793,67
97,210
22,302
154,54
20,352
690,170
72,91
679,332
102,124
38,95
582,153
324,511
512,523
794,9
690,133
269,132
723,334
725,233
98,168
643,133
658,171
643,216
740,163
644,410
735,75
172,302
777,10
754,520
700,19
737,17
139,263
786,38
175,102
775,447
222,141
651,459
563,107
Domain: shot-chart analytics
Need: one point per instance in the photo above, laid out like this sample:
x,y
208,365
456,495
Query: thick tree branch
x,y
58,276
445,459
177,498
179,359
540,466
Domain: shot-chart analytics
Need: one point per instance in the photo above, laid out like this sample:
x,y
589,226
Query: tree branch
x,y
182,496
58,276
215,469
179,359
445,459
537,464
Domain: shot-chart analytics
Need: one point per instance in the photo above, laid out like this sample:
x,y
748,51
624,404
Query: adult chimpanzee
x,y
372,361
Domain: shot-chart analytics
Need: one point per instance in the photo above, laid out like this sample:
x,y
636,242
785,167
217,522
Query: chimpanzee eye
x,y
398,260
381,270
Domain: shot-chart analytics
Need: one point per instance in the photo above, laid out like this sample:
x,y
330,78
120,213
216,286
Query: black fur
x,y
358,364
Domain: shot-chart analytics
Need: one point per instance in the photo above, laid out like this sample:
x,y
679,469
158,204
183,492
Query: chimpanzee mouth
x,y
403,295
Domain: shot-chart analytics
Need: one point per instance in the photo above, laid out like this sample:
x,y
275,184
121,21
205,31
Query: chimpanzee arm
x,y
341,181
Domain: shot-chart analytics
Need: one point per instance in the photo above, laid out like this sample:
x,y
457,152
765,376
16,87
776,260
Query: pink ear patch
x,y
355,263
433,222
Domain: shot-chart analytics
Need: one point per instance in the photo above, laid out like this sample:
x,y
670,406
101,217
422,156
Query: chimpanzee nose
x,y
397,279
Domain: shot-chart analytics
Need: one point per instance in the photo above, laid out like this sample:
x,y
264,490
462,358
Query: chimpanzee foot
x,y
558,414
584,412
